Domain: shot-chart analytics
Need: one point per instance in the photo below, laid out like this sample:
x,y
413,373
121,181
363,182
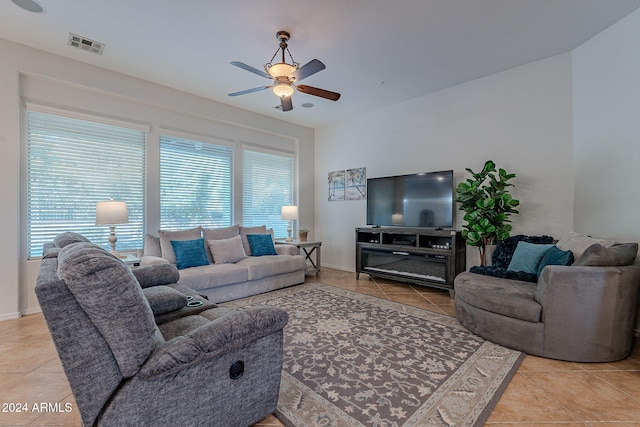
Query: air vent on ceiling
x,y
85,44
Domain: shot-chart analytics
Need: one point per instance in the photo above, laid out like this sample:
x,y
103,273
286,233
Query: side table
x,y
129,259
308,248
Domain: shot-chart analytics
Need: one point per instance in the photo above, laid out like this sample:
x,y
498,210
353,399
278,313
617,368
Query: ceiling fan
x,y
285,76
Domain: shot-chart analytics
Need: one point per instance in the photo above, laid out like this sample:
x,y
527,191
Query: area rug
x,y
357,360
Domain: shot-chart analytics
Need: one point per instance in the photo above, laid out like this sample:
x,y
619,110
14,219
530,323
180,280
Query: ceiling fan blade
x,y
308,69
333,96
250,69
255,89
286,103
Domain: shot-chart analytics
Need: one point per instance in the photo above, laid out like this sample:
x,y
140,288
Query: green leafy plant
x,y
303,230
487,204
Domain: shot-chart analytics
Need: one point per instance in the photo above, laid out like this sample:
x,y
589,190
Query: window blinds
x,y
267,185
72,164
196,183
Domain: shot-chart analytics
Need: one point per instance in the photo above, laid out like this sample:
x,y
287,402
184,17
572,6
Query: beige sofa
x,y
231,270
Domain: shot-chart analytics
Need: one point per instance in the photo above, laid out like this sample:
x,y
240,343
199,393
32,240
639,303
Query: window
x,y
72,163
267,185
195,184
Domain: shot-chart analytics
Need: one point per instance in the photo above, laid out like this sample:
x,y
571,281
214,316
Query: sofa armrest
x,y
283,249
155,275
150,260
221,335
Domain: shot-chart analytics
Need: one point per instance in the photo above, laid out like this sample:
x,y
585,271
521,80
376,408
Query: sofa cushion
x,y
615,256
267,266
527,257
152,246
189,253
578,243
261,244
163,299
213,275
555,256
505,248
221,233
111,297
67,238
511,298
167,236
227,251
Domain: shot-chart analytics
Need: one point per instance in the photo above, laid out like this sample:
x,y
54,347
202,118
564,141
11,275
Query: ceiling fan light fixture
x,y
281,69
286,76
283,89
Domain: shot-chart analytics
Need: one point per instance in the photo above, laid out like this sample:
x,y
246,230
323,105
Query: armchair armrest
x,y
222,335
588,311
155,275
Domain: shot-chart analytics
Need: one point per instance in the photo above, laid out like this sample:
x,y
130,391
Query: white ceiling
x,y
377,52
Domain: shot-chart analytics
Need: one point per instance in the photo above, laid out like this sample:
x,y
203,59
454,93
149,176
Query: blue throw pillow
x,y
261,244
190,253
555,256
505,248
527,257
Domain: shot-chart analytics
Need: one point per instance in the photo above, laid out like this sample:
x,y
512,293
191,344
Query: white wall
x,y
34,76
606,85
520,118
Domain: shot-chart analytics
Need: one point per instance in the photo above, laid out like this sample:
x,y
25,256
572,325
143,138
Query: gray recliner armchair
x,y
218,367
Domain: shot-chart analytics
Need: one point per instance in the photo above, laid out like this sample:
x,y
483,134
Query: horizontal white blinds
x,y
196,183
71,165
267,185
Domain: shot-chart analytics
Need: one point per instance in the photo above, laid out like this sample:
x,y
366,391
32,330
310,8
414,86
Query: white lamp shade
x,y
112,212
289,212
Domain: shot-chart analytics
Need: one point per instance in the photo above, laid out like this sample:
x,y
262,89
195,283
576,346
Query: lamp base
x,y
112,238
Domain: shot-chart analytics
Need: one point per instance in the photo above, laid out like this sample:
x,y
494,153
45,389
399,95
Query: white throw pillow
x,y
227,251
578,243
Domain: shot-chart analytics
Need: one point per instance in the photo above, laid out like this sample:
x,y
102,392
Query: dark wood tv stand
x,y
422,256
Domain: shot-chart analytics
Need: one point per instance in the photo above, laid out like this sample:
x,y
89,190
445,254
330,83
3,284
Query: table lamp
x,y
289,213
112,212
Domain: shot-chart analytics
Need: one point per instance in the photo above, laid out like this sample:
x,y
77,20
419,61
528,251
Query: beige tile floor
x,y
542,393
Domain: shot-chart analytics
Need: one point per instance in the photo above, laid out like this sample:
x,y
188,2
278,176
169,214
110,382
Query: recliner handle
x,y
236,370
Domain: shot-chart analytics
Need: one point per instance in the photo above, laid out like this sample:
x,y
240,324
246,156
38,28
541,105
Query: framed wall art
x,y
336,185
355,184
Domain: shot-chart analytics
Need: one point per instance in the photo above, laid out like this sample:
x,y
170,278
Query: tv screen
x,y
417,200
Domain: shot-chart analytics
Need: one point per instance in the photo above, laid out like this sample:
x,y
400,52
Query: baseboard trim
x,y
28,311
9,316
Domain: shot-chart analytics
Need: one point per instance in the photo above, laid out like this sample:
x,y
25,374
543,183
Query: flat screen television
x,y
416,200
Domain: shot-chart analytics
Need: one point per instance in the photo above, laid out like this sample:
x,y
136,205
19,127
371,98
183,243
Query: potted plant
x,y
303,232
487,204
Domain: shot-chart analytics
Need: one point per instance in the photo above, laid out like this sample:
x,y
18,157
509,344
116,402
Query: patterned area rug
x,y
356,360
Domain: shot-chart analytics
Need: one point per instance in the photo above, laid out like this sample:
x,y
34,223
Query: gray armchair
x,y
575,313
218,367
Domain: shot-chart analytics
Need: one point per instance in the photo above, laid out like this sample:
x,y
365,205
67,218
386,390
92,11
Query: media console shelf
x,y
415,255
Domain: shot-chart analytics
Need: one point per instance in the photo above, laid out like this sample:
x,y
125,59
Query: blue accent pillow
x,y
555,256
505,248
261,244
527,257
190,253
